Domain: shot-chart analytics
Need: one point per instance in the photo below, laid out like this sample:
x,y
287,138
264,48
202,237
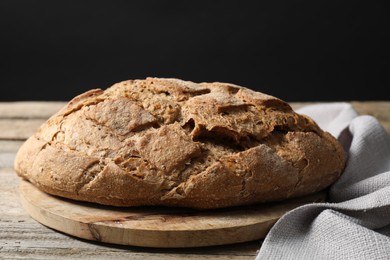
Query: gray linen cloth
x,y
355,222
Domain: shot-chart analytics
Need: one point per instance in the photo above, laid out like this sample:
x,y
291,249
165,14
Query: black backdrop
x,y
295,50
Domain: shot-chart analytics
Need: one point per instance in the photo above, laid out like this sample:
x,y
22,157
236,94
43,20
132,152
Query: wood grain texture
x,y
29,109
157,226
21,237
18,129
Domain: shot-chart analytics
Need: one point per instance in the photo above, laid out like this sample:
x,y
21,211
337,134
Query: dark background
x,y
295,50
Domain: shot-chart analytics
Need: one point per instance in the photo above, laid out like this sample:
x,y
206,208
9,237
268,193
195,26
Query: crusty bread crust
x,y
177,143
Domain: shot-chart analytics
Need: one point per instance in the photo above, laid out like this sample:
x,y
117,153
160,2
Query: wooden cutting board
x,y
156,226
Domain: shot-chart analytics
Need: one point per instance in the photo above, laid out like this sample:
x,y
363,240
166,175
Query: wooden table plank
x,y
29,109
10,146
19,120
378,109
18,129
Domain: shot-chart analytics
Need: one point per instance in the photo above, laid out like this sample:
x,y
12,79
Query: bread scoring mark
x,y
181,90
76,107
210,155
219,139
262,101
89,174
192,167
222,87
132,165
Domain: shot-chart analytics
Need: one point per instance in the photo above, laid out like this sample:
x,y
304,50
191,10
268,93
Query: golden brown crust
x,y
178,143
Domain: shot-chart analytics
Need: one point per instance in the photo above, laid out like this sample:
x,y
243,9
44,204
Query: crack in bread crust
x,y
178,143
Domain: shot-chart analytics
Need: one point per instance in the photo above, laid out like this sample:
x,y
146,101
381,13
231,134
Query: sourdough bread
x,y
169,142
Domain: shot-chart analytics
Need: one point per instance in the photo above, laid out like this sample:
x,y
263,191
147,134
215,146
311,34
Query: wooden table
x,y
23,237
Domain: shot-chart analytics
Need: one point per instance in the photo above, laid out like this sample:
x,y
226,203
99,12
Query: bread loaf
x,y
169,142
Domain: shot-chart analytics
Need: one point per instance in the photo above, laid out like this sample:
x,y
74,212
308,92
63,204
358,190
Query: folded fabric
x,y
355,222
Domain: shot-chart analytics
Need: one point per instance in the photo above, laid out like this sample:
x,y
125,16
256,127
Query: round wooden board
x,y
156,226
